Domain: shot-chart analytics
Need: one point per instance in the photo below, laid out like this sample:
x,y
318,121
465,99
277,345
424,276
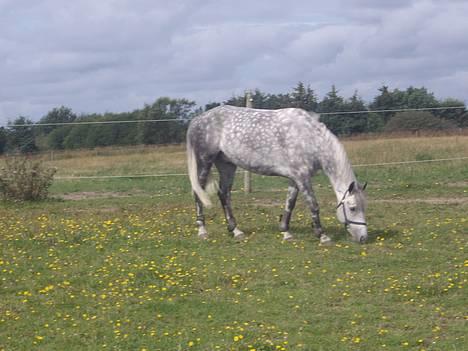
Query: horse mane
x,y
336,164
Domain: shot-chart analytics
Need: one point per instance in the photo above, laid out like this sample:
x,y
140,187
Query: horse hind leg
x,y
203,173
293,190
227,172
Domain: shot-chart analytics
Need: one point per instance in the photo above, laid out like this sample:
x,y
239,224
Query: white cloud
x,y
114,55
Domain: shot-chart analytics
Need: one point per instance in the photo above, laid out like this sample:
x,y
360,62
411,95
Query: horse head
x,y
351,211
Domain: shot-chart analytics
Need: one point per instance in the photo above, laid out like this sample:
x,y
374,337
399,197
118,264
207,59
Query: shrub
x,y
417,120
25,180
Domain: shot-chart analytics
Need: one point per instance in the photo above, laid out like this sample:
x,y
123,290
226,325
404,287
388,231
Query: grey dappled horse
x,y
291,143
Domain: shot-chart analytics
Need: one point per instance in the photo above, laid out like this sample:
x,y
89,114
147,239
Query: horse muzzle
x,y
363,239
358,232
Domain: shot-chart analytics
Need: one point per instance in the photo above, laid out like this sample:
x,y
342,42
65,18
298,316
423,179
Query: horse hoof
x,y
325,240
287,236
238,234
203,236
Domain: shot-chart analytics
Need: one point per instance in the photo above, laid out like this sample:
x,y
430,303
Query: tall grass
x,y
171,159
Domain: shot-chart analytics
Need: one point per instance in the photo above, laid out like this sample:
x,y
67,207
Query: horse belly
x,y
259,160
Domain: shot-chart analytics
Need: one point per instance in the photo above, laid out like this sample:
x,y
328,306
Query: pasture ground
x,y
115,264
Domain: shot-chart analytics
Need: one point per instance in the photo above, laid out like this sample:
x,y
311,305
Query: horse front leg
x,y
293,190
313,205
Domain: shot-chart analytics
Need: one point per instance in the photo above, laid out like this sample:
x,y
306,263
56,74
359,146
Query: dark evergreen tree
x,y
3,140
211,105
304,97
259,100
277,101
21,137
387,100
355,123
332,103
238,101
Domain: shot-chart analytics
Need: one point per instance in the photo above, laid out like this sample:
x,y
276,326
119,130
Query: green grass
x,y
120,267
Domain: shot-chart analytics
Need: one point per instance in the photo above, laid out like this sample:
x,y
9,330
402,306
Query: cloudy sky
x,y
116,55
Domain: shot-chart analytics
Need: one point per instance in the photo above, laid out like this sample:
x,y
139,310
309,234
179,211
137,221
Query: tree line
x,y
61,128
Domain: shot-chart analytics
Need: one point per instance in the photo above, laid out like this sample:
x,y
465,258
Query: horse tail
x,y
192,164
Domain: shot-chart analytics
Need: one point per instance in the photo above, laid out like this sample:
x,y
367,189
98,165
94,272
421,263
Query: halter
x,y
346,220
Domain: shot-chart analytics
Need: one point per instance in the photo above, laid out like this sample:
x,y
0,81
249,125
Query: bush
x,y
417,120
25,180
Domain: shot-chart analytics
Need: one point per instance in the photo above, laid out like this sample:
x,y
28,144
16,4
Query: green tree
x,y
58,115
332,103
53,134
107,134
304,97
21,137
211,105
411,98
259,100
77,138
459,116
55,139
387,100
356,122
419,98
277,101
3,140
236,100
179,110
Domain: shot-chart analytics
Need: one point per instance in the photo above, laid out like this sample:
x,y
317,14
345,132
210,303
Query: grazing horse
x,y
289,142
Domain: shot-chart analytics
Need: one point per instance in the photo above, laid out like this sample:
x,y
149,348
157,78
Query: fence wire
x,y
396,163
188,120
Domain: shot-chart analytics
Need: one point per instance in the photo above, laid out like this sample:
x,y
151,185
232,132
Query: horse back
x,y
272,142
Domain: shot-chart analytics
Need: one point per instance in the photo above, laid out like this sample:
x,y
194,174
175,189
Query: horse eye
x,y
352,208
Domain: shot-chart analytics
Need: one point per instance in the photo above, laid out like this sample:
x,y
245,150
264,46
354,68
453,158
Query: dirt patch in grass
x,y
432,201
460,184
86,195
90,195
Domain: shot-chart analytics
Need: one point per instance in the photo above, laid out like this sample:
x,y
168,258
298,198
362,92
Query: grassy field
x,y
115,264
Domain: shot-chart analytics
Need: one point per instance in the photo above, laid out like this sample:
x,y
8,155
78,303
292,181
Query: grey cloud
x,y
115,55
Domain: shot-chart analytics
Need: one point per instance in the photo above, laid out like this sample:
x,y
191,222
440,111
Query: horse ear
x,y
351,187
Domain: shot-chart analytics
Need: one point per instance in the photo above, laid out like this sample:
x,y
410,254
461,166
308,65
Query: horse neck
x,y
337,167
